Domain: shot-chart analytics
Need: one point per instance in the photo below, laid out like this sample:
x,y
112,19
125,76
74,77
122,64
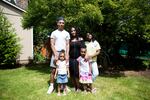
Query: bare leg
x,y
65,89
90,87
52,75
59,86
51,87
84,87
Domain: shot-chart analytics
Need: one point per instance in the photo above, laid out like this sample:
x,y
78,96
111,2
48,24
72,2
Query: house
x,y
14,14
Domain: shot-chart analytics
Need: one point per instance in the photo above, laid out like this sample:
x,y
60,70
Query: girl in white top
x,y
85,71
62,72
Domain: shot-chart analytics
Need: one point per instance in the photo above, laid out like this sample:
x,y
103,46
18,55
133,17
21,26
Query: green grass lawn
x,y
31,83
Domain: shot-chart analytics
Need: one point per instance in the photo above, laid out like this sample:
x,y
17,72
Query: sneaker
x,y
64,93
85,92
77,90
50,89
94,90
68,90
58,94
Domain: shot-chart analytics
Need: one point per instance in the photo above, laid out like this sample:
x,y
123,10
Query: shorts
x,y
52,64
62,78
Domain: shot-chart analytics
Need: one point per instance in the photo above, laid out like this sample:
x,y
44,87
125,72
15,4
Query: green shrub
x,y
9,42
38,58
146,63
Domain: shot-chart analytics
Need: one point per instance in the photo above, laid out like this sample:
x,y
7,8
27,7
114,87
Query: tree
x,y
126,21
112,21
42,14
9,46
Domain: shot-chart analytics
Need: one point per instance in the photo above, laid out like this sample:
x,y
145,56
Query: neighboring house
x,y
14,14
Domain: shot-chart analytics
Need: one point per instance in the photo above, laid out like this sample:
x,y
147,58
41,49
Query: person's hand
x,y
56,56
87,57
55,77
68,76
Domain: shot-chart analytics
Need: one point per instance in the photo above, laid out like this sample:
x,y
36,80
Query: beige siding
x,y
14,16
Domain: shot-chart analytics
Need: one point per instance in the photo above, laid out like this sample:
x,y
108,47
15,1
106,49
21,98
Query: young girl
x,y
62,72
85,71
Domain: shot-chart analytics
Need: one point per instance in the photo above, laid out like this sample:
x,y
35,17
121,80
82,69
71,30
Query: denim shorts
x,y
62,78
52,64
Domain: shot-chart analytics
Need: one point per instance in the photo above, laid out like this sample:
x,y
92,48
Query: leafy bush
x,y
38,58
146,63
9,46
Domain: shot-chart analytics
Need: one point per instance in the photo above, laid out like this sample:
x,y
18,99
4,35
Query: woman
x,y
75,44
93,50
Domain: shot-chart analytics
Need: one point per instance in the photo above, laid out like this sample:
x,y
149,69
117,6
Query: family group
x,y
73,57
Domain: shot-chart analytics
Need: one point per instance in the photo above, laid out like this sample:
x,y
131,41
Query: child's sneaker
x,y
77,90
58,94
50,89
85,92
94,90
64,93
68,90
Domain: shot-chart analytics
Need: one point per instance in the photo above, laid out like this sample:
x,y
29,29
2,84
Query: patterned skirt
x,y
85,77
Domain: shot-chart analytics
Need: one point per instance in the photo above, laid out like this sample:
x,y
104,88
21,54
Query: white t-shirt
x,y
60,38
84,65
62,67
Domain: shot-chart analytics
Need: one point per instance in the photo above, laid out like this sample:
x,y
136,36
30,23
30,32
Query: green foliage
x,y
146,63
112,21
42,15
38,58
40,36
9,46
45,12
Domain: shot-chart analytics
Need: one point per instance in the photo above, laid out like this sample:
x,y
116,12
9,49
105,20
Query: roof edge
x,y
14,5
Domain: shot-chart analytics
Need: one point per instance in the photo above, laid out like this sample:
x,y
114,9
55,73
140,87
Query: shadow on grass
x,y
111,73
9,66
43,68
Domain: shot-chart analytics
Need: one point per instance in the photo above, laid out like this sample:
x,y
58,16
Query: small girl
x,y
85,72
62,72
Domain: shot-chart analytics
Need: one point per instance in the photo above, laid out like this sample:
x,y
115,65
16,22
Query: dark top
x,y
75,49
74,53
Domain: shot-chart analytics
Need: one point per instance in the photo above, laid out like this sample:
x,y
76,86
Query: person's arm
x,y
96,53
79,71
67,49
68,72
67,67
56,69
98,48
52,41
56,73
78,59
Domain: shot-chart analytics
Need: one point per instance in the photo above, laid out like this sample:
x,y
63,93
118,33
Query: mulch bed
x,y
145,73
